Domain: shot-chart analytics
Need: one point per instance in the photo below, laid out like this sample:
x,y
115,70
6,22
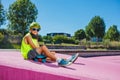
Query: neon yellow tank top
x,y
25,48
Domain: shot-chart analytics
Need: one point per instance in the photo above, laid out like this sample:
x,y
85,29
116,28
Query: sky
x,y
68,16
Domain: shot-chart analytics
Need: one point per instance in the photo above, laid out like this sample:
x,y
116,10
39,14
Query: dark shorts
x,y
33,55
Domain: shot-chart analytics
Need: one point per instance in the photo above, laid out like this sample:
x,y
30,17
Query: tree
x,y
20,14
96,27
80,34
2,14
112,33
89,32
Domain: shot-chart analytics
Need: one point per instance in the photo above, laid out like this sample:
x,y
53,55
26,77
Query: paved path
x,y
13,67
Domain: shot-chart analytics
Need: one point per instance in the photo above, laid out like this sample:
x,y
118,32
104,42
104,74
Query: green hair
x,y
35,25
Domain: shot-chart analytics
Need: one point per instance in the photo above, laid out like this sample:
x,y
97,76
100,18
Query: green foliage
x,y
1,37
15,46
106,43
2,15
112,33
96,27
119,36
4,43
6,32
9,40
47,39
58,39
71,40
89,32
20,14
114,45
80,34
40,38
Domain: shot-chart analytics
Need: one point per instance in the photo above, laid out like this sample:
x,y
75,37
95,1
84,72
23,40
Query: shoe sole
x,y
66,64
75,58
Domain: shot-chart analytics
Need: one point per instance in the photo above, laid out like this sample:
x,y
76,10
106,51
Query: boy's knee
x,y
44,46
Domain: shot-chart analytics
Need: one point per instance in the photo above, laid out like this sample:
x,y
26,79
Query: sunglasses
x,y
35,29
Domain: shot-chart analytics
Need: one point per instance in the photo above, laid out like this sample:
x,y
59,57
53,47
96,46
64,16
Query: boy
x,y
30,48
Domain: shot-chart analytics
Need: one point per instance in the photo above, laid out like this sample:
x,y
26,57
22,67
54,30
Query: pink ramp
x,y
14,67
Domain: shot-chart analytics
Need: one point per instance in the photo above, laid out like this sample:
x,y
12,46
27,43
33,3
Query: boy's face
x,y
34,30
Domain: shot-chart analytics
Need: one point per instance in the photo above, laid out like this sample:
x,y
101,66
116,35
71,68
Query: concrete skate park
x,y
91,65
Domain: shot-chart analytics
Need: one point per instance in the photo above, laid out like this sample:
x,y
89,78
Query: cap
x,y
35,25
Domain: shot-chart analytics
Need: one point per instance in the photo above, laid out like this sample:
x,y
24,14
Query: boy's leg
x,y
53,53
44,49
49,59
61,62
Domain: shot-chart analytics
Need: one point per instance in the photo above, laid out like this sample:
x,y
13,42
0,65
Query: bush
x,y
1,37
47,39
16,46
114,45
58,39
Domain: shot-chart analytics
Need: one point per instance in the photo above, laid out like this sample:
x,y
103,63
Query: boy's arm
x,y
29,40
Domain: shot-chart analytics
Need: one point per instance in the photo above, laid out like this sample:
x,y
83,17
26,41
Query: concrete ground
x,y
14,67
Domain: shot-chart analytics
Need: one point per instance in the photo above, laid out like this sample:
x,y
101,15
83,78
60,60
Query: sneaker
x,y
73,58
64,62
